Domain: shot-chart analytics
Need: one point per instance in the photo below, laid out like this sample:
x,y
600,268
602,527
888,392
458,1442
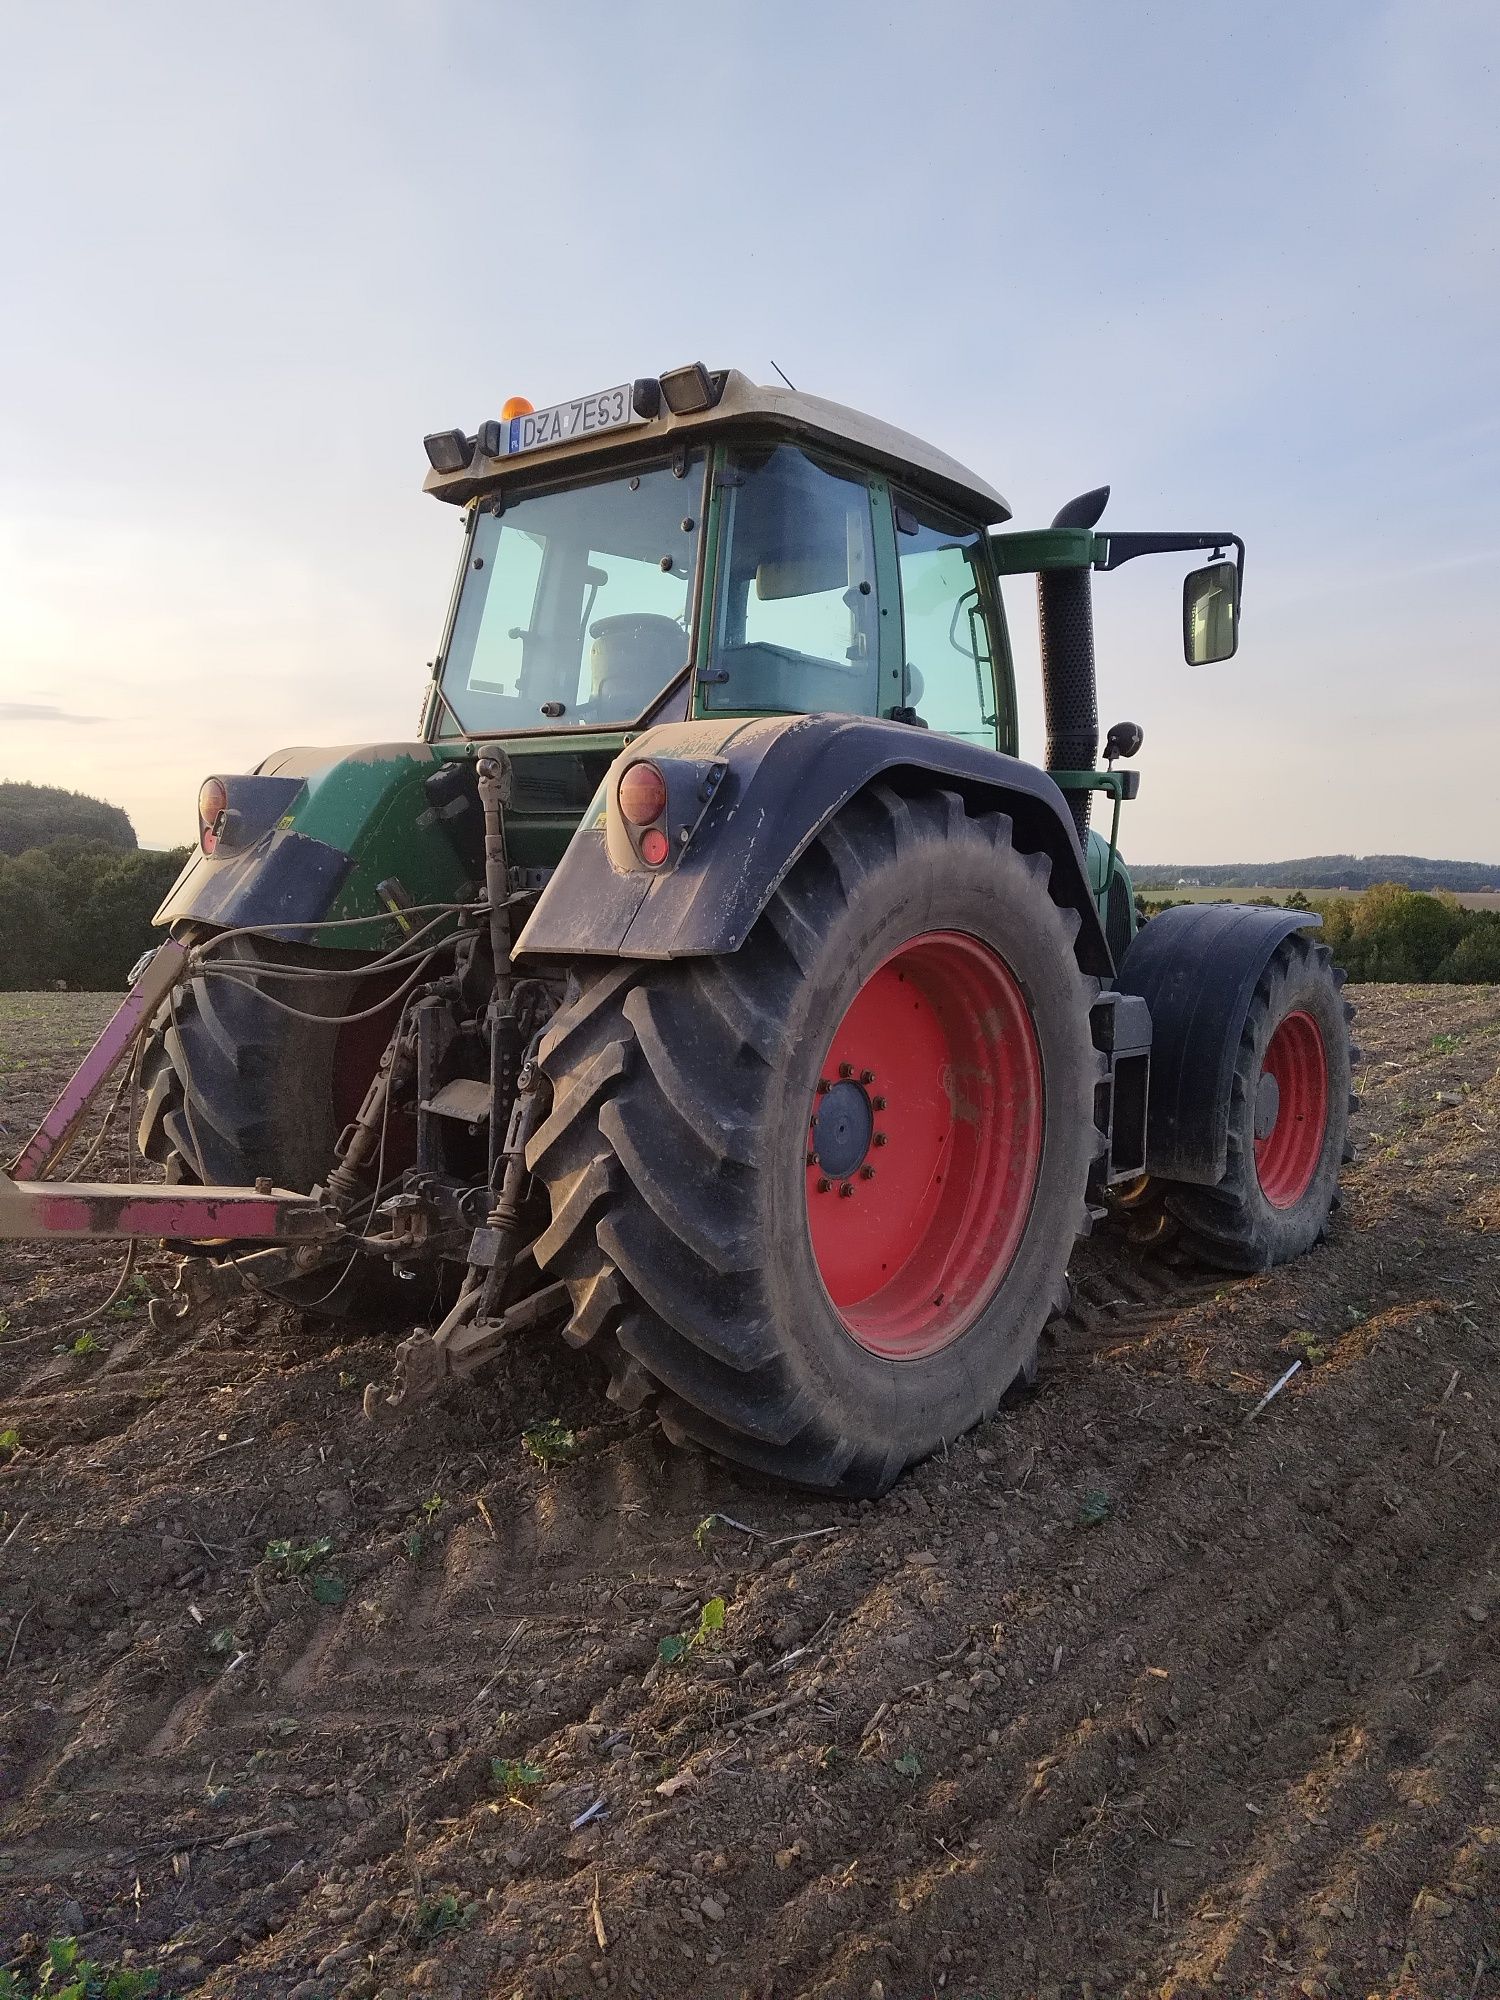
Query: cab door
x,y
955,656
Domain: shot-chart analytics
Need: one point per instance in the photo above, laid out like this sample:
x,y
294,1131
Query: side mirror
x,y
1211,614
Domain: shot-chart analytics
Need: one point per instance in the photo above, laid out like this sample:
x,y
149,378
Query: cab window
x,y
948,651
797,626
574,604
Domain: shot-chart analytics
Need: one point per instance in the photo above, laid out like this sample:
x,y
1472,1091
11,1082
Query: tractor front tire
x,y
817,1198
1288,1120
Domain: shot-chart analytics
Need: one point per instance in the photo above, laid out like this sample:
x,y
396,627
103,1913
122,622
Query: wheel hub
x,y
924,1141
1267,1105
842,1128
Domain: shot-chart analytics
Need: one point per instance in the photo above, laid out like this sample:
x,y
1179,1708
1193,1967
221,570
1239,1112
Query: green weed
x,y
677,1645
514,1775
1308,1346
9,1441
134,1299
1445,1045
551,1443
63,1973
437,1916
296,1558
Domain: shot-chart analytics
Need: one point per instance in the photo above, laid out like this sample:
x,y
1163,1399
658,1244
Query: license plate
x,y
607,410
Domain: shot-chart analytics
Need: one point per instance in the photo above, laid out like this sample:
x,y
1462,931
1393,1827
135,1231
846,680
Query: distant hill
x,y
1323,871
36,815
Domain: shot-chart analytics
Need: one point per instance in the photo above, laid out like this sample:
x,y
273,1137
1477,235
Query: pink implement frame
x,y
33,1206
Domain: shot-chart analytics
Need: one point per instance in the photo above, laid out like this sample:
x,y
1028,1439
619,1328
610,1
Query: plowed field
x,y
1134,1693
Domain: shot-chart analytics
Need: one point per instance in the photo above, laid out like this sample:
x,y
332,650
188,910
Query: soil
x,y
1136,1692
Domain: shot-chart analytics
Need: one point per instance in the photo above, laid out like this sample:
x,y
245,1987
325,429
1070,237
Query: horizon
x,y
1241,268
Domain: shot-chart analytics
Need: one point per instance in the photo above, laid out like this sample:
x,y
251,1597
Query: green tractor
x,y
713,980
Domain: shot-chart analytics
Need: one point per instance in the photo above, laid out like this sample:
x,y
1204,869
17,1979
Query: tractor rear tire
x,y
234,1088
746,1156
1288,1120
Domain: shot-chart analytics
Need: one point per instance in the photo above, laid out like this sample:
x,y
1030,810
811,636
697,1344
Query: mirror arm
x,y
1125,548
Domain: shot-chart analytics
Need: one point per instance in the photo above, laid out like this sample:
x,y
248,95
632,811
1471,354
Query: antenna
x,y
785,378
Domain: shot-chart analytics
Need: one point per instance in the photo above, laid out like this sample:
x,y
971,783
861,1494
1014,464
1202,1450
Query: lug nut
x,y
879,1103
867,1076
823,1085
881,1139
867,1173
824,1186
846,1069
812,1159
846,1187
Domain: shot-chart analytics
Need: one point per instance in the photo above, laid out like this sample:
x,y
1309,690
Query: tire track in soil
x,y
1305,1588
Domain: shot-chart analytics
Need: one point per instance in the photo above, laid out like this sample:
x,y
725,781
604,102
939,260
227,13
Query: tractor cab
x,y
700,546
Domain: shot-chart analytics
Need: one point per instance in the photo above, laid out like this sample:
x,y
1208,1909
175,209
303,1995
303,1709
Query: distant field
x,y
1221,892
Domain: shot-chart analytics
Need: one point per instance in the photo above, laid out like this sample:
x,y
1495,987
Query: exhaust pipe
x,y
1065,618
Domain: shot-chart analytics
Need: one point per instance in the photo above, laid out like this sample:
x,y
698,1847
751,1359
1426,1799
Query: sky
x,y
1241,263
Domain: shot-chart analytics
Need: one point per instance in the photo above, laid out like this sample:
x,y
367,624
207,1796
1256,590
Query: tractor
x,y
712,980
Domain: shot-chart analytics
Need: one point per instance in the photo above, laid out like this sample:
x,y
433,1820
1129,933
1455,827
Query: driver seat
x,y
631,659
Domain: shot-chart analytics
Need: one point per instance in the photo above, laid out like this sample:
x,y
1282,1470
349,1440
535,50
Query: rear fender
x,y
779,780
1197,967
344,822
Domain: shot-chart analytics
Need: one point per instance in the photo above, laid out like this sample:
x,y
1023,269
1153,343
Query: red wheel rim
x,y
1291,1111
924,1141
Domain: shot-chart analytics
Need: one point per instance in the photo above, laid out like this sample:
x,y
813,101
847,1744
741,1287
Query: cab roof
x,y
744,407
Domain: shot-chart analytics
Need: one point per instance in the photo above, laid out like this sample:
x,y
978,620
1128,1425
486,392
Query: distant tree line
x,y
36,815
1323,871
78,914
1393,933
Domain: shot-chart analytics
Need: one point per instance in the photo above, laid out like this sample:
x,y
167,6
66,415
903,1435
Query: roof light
x,y
516,406
642,794
645,396
448,451
689,389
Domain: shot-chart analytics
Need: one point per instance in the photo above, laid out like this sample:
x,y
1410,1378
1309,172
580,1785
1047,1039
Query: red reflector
x,y
643,794
654,846
213,801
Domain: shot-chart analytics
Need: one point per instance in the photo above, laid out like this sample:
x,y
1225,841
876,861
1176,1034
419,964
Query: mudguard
x,y
782,779
1197,967
315,832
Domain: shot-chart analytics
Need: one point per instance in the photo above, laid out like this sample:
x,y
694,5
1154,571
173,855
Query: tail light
x,y
655,806
213,803
643,794
643,800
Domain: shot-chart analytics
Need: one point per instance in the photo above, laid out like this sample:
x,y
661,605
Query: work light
x,y
448,451
688,390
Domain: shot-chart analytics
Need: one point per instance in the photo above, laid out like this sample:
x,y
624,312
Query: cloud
x,y
39,711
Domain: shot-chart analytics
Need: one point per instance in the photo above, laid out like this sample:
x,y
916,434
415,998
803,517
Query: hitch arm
x,y
188,1214
48,1141
31,1205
